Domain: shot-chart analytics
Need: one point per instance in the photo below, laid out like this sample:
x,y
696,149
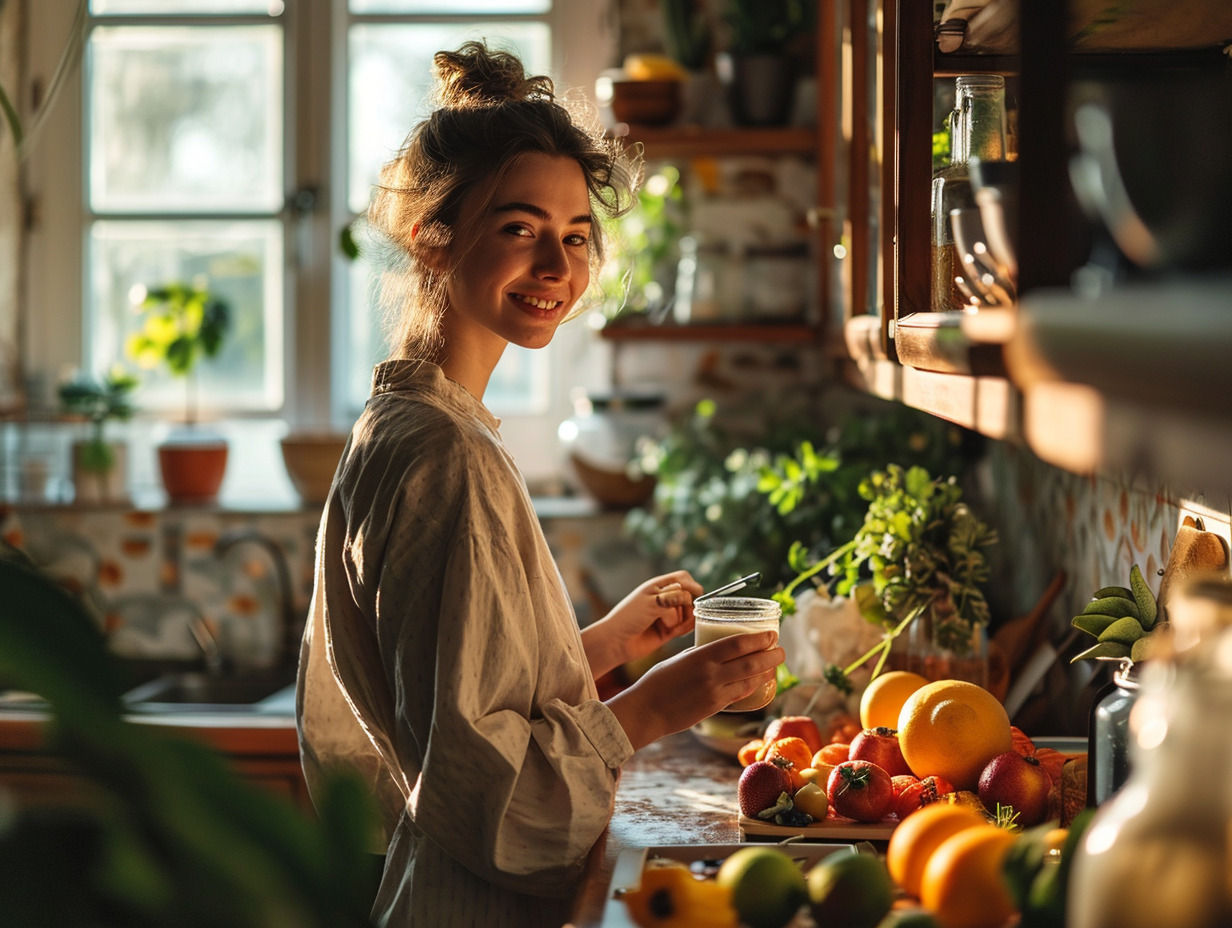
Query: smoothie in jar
x,y
720,616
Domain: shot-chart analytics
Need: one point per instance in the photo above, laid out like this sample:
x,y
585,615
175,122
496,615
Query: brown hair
x,y
488,113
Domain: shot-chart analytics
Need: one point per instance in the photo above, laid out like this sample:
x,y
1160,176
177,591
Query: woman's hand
x,y
656,612
679,692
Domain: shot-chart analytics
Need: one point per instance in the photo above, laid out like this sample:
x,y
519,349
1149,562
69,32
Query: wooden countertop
x,y
675,791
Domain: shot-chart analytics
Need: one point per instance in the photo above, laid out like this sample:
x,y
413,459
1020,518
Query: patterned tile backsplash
x,y
145,574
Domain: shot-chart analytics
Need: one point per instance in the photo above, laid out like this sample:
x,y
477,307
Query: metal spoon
x,y
751,580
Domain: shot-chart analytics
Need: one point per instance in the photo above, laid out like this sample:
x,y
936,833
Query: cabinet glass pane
x,y
186,119
397,59
241,261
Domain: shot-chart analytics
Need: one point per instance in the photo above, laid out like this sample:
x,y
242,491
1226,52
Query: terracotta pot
x,y
192,471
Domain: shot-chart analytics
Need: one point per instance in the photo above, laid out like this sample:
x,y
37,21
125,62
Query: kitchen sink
x,y
203,692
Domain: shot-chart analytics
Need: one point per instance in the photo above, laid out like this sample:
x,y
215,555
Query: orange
x,y
797,755
832,754
748,752
918,835
951,729
962,883
884,696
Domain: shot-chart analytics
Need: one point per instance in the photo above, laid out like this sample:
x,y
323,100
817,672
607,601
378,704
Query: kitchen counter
x,y
675,791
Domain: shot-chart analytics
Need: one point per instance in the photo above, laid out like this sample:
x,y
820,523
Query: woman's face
x,y
523,258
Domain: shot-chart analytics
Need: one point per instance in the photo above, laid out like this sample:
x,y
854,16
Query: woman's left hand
x,y
656,612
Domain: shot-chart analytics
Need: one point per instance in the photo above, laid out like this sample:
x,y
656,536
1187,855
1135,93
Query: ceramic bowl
x,y
647,103
311,459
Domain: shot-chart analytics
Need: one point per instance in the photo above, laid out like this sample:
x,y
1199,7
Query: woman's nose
x,y
551,260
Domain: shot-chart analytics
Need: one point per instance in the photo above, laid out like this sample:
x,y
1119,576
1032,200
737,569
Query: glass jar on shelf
x,y
977,129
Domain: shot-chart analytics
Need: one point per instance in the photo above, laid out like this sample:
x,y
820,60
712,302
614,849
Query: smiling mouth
x,y
535,301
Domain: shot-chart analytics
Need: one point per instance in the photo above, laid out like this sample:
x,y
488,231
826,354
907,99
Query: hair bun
x,y
475,76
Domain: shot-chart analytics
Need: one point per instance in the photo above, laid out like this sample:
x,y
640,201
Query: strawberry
x,y
760,785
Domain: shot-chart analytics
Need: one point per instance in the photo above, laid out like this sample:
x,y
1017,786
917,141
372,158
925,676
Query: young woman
x,y
442,658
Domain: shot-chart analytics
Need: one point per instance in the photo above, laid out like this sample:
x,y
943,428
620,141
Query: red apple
x,y
1012,779
860,790
760,785
880,746
795,726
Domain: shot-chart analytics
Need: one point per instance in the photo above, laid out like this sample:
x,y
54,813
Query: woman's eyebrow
x,y
539,212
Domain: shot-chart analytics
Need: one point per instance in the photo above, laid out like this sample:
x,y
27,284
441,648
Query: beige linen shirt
x,y
442,660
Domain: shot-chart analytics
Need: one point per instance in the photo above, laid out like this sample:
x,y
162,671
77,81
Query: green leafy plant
x,y
173,835
686,32
183,323
919,553
98,401
644,242
768,27
1121,620
727,504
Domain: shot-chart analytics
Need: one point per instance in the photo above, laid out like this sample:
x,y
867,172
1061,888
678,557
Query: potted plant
x,y
916,565
183,324
686,33
759,66
100,467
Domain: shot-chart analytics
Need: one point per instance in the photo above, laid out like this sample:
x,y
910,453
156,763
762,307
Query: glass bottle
x,y
1108,733
1157,853
977,129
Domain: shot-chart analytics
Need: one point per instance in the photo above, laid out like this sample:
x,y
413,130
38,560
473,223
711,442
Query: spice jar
x,y
1108,733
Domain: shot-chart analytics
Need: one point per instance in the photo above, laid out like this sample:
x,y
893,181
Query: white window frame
x,y
53,178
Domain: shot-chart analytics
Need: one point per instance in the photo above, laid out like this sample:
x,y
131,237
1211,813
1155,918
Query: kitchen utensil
x,y
752,579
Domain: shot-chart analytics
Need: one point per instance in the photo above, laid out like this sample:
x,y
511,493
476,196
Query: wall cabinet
x,y
1100,363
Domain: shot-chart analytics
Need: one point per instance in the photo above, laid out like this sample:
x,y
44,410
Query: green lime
x,y
850,889
766,885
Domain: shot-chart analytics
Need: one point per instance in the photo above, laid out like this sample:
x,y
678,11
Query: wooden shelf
x,y
784,333
696,142
988,405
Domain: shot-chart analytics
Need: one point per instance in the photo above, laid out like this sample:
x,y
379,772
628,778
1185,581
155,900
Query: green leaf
x,y
1113,606
1143,597
1125,631
1103,650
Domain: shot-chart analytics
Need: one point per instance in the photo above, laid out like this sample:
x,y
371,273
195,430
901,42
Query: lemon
x,y
850,889
767,887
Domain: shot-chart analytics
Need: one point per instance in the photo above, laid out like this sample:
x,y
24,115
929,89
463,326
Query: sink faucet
x,y
288,630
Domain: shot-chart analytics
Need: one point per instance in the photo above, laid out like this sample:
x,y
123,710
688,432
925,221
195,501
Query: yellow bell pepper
x,y
671,897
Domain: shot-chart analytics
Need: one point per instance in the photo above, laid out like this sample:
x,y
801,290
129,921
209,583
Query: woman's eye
x,y
517,230
576,239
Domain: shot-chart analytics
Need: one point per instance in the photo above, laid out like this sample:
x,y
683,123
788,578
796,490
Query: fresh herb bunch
x,y
919,552
726,505
98,401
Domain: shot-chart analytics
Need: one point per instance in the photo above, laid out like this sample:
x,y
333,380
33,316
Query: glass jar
x,y
918,651
1157,852
721,616
1108,733
977,129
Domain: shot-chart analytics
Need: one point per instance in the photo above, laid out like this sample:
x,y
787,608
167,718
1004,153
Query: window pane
x,y
241,261
186,119
397,59
498,7
167,8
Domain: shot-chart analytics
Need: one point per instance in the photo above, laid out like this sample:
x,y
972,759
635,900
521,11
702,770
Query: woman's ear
x,y
431,254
